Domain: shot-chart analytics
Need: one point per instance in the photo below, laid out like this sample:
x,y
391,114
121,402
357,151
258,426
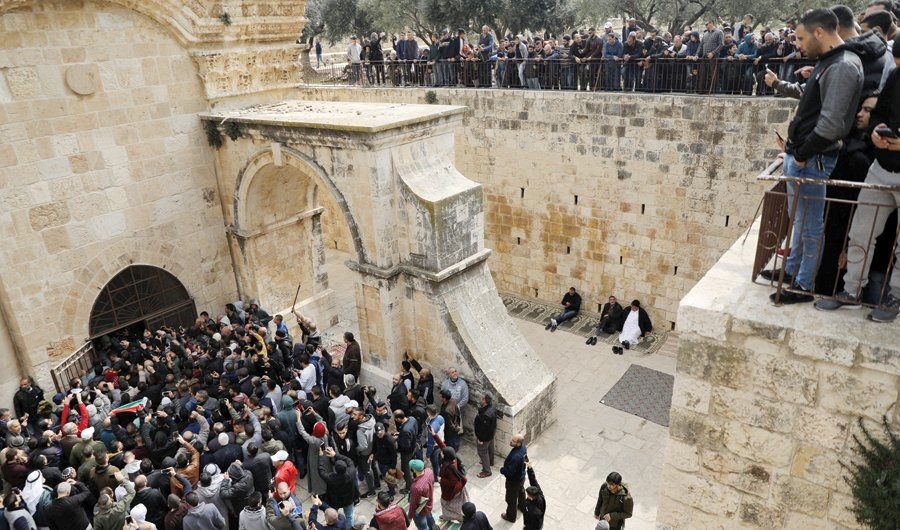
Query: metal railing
x,y
81,361
778,210
658,74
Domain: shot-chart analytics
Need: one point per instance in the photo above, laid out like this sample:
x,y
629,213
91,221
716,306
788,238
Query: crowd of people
x,y
219,425
728,59
845,128
632,325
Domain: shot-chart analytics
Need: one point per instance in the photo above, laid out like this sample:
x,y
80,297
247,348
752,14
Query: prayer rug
x,y
644,392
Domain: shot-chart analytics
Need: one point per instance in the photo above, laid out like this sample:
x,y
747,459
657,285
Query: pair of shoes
x,y
483,474
505,518
795,295
627,345
773,274
886,312
841,300
589,340
594,342
617,350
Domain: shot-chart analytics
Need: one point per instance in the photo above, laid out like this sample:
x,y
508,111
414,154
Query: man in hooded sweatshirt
x,y
200,515
253,517
209,489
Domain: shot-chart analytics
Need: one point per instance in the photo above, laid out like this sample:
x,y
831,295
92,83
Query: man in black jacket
x,y
610,318
824,115
485,429
571,303
340,483
26,398
66,511
535,504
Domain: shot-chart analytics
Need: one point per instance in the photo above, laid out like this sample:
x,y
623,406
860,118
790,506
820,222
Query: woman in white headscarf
x,y
36,497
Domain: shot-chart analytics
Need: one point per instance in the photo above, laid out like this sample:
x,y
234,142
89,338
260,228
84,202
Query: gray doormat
x,y
583,324
644,392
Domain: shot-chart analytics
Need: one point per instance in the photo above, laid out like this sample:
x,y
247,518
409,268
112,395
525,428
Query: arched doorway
x,y
141,295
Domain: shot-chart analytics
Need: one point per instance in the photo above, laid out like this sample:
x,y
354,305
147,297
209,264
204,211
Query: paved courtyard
x,y
588,439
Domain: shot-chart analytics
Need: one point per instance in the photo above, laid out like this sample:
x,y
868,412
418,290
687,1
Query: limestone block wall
x,y
634,195
103,163
765,404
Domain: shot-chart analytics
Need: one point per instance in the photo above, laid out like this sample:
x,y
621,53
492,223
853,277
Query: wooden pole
x,y
296,296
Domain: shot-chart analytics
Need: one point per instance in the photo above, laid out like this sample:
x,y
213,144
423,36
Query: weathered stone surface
x,y
848,394
758,514
817,465
758,445
702,494
813,343
682,456
750,408
786,379
691,394
696,429
822,428
745,475
800,495
48,215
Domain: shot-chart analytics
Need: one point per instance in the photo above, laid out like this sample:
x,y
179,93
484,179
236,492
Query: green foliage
x,y
430,97
212,134
875,479
226,18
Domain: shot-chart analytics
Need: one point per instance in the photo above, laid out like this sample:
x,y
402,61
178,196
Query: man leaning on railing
x,y
824,115
875,206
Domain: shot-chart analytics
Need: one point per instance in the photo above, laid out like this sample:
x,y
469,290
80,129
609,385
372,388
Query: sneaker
x,y
552,328
549,325
796,295
841,300
772,275
886,312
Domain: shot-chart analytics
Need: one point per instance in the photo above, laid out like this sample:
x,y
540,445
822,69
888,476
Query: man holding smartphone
x,y
824,115
874,207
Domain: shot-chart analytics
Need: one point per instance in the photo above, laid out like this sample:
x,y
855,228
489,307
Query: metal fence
x,y
719,76
74,366
778,210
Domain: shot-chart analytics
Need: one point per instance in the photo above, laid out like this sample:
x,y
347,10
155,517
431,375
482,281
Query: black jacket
x,y
827,108
533,510
153,500
486,423
870,48
643,320
67,513
574,301
341,487
887,111
260,466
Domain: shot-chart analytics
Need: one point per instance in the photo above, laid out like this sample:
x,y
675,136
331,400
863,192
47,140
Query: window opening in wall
x,y
535,293
642,208
726,220
576,199
672,325
568,250
620,260
522,192
676,270
518,240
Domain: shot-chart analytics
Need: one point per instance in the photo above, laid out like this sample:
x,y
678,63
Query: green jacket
x,y
113,518
619,506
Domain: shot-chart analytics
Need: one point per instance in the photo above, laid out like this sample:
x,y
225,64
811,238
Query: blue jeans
x,y
348,514
809,221
424,522
565,315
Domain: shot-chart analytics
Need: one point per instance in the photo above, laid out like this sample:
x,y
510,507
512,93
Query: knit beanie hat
x,y
416,465
319,429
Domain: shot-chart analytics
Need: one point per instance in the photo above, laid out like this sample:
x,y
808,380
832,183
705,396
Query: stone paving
x,y
588,439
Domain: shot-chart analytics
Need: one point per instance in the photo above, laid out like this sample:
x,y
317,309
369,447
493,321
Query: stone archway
x,y
418,230
141,293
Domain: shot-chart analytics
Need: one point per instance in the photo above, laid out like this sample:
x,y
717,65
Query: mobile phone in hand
x,y
886,132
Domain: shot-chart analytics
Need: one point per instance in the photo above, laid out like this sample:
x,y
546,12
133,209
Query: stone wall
x,y
765,405
634,195
103,161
